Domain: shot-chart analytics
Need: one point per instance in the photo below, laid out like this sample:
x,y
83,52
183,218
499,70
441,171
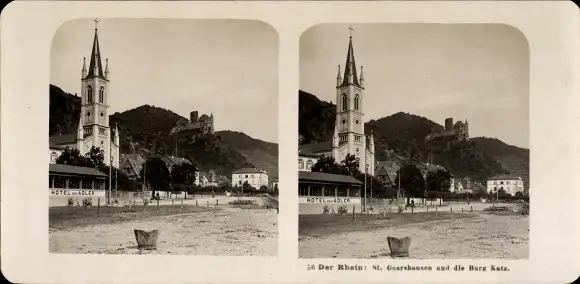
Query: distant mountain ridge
x,y
146,129
401,137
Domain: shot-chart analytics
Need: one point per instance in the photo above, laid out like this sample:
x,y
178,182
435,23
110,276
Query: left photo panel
x,y
163,137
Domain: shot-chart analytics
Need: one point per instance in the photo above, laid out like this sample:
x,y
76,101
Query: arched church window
x,y
89,94
356,102
344,102
101,94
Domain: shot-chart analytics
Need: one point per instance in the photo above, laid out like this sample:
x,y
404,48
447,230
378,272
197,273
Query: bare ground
x,y
229,231
504,236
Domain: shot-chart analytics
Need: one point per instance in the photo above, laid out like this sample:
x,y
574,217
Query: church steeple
x,y
95,65
350,77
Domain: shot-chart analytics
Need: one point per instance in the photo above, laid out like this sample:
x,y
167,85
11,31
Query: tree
x,y
350,165
519,194
374,185
123,181
411,181
95,157
155,172
72,156
327,164
247,187
181,175
439,180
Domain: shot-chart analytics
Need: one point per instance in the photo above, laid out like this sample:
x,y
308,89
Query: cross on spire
x,y
96,23
350,29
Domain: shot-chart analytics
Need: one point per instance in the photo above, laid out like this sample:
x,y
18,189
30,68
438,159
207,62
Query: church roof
x,y
95,65
350,68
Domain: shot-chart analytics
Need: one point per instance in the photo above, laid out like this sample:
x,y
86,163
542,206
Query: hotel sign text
x,y
335,200
64,192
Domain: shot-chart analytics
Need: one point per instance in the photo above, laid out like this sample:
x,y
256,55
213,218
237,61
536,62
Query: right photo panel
x,y
414,141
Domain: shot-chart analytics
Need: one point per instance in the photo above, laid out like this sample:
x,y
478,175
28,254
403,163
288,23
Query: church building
x,y
349,133
93,128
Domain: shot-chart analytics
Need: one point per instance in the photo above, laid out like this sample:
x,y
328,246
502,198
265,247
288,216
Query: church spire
x,y
350,76
95,65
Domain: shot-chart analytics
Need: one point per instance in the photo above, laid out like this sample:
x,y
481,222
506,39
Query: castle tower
x,y
466,130
350,112
94,107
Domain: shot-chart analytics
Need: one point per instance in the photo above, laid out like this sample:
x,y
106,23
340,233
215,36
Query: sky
x,y
225,67
478,72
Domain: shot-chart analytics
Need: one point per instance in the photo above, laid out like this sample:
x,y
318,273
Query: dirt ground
x,y
228,231
503,236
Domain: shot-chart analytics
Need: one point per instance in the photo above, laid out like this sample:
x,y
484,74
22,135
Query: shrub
x,y
70,202
325,209
145,201
87,201
242,202
342,210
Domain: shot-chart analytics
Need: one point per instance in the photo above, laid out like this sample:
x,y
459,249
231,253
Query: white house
x,y
509,183
255,177
53,154
306,161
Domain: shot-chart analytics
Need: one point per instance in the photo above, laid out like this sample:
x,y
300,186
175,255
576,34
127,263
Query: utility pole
x,y
110,168
365,200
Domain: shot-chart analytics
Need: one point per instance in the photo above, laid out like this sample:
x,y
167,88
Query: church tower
x,y
350,111
94,107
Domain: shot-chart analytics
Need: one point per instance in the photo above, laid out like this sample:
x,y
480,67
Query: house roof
x,y
136,161
391,168
327,178
310,155
316,148
504,177
74,170
60,140
249,171
428,167
176,160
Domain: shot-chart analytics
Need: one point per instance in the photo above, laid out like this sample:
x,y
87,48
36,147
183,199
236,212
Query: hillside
x,y
401,137
260,153
514,159
64,108
315,118
146,129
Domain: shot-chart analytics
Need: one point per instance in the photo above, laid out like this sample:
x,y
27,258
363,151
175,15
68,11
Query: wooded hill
x,y
146,129
401,137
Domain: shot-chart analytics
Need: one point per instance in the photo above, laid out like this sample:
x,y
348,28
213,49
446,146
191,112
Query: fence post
x,y
353,212
157,204
471,208
196,203
181,204
412,210
427,207
461,210
451,209
99,206
435,210
217,202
